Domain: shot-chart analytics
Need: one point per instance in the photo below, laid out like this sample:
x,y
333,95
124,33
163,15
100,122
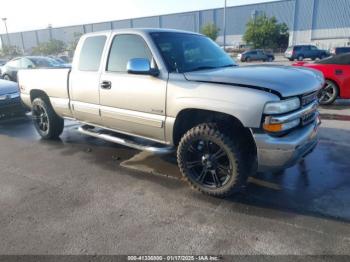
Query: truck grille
x,y
309,98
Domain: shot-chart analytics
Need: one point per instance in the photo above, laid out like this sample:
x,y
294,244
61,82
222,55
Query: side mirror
x,y
141,66
30,66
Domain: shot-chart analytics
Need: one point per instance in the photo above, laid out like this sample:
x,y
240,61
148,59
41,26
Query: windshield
x,y
190,52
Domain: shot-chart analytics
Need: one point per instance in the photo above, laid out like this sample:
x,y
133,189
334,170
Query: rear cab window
x,y
91,53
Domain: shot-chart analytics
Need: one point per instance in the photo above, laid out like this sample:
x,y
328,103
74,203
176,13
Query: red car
x,y
336,71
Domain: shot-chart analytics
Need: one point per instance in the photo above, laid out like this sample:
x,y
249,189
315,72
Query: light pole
x,y
225,7
4,19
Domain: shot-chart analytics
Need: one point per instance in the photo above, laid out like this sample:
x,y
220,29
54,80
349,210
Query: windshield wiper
x,y
202,68
210,67
230,65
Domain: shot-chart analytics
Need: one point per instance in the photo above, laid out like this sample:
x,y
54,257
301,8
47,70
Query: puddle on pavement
x,y
154,164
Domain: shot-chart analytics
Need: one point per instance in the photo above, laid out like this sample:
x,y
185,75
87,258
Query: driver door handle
x,y
106,85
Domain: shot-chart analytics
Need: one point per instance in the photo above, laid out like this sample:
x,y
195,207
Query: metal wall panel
x,y
185,21
307,20
87,28
147,22
303,14
43,35
30,39
66,34
331,14
101,26
206,17
121,24
15,39
238,17
219,20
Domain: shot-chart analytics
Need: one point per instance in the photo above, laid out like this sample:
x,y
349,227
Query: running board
x,y
141,144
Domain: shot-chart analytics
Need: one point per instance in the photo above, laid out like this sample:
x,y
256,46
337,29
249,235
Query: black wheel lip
x,y
193,178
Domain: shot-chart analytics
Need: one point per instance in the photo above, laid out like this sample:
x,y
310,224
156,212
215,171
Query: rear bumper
x,y
278,153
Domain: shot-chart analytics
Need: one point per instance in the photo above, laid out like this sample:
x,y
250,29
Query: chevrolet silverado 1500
x,y
165,90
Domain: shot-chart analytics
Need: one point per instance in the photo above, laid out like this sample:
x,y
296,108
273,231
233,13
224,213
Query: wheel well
x,y
35,93
229,124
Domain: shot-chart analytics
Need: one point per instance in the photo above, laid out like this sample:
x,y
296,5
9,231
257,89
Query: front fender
x,y
243,103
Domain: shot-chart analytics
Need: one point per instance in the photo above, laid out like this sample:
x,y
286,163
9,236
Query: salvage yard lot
x,y
80,195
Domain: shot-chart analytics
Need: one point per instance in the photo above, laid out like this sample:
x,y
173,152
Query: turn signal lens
x,y
281,127
273,127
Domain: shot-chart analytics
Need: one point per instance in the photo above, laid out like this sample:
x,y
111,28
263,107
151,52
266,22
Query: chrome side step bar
x,y
154,147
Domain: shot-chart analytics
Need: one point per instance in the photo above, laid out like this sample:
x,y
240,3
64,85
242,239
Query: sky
x,y
25,15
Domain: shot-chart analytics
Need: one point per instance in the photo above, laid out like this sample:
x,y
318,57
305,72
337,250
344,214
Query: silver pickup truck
x,y
166,90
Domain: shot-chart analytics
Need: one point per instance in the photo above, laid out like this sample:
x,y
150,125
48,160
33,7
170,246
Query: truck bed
x,y
53,81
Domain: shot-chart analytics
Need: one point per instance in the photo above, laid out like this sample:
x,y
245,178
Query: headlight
x,y
282,106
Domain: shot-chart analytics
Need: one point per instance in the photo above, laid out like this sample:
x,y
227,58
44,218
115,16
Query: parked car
x,y
10,101
164,90
340,50
10,69
255,55
301,52
336,71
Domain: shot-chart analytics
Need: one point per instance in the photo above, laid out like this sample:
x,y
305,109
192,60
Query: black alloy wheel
x,y
211,161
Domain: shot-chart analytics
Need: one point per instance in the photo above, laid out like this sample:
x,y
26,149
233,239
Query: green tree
x,y
53,47
265,32
211,31
10,51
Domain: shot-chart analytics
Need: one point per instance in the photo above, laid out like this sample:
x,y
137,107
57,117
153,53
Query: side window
x,y
124,48
91,53
313,47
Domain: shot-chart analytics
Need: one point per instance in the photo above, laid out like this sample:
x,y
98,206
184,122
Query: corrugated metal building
x,y
325,23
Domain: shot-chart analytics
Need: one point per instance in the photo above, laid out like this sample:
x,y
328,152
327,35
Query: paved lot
x,y
80,195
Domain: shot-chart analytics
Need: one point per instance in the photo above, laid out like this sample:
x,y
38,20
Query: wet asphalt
x,y
81,195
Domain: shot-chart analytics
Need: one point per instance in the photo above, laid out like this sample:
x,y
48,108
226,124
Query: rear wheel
x,y
328,93
48,124
211,161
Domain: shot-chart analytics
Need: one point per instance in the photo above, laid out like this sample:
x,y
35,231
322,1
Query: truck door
x,y
85,78
132,103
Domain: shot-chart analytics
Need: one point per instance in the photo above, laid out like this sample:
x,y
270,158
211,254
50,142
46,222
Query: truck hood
x,y
8,87
286,81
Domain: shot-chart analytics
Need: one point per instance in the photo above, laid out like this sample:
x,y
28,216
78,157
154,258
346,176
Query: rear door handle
x,y
106,85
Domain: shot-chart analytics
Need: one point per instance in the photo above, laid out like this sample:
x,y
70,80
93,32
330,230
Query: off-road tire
x,y
210,132
55,123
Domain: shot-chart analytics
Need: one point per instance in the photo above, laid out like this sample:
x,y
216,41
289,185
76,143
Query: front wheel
x,y
210,161
48,124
